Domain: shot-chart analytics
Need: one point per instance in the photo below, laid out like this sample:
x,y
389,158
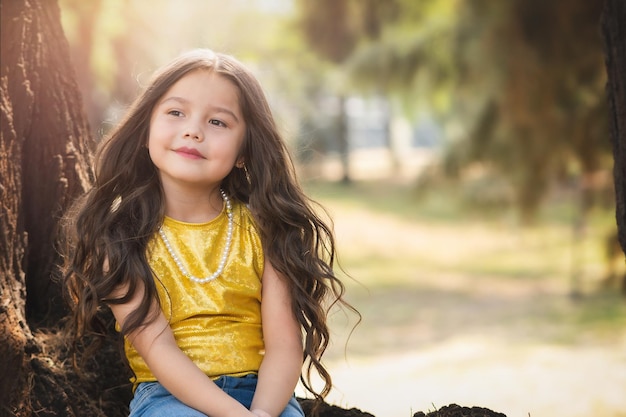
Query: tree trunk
x,y
343,142
47,139
44,163
614,34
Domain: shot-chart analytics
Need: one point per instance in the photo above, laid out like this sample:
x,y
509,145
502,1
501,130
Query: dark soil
x,y
327,410
454,410
451,410
56,389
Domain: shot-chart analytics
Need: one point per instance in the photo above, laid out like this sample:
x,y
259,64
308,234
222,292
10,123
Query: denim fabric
x,y
153,400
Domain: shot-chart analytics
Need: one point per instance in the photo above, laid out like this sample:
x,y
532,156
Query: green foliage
x,y
517,85
547,244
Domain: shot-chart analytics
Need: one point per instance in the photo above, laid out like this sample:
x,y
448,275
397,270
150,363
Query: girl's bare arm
x,y
282,364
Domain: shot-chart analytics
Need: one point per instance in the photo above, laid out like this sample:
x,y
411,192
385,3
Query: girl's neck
x,y
193,207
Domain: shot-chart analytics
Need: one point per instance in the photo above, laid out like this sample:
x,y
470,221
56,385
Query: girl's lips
x,y
189,153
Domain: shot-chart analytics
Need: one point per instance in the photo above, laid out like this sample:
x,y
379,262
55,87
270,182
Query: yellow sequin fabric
x,y
217,323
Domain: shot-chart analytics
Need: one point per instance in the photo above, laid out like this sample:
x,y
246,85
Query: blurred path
x,y
540,380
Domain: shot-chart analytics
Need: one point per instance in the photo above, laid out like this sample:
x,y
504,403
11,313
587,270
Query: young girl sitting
x,y
199,239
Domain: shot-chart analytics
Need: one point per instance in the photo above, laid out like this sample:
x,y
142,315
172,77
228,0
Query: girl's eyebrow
x,y
219,109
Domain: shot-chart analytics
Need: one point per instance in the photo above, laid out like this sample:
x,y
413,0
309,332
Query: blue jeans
x,y
153,400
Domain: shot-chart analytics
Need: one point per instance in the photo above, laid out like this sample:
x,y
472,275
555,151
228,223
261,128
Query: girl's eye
x,y
216,122
176,113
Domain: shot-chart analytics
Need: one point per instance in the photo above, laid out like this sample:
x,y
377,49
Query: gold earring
x,y
247,174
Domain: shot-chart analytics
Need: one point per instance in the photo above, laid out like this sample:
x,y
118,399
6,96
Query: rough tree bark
x,y
614,34
44,163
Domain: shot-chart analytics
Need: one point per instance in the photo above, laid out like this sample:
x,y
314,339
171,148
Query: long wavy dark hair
x,y
113,222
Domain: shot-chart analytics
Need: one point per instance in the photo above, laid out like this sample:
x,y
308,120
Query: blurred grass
x,y
516,251
427,268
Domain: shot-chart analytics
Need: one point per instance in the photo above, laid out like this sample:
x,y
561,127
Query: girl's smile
x,y
189,153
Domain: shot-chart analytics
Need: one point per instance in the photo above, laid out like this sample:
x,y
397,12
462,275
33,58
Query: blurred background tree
x,y
330,29
518,87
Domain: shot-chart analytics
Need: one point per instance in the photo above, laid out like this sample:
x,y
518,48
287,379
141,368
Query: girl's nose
x,y
193,132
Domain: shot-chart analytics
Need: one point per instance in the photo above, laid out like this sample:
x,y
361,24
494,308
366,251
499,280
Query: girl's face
x,y
196,131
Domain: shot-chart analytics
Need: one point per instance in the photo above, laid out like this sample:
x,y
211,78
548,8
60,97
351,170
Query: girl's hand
x,y
260,413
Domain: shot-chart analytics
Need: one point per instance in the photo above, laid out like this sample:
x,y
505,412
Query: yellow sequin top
x,y
217,323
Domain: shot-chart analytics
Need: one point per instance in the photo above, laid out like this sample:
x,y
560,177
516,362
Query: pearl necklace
x,y
229,239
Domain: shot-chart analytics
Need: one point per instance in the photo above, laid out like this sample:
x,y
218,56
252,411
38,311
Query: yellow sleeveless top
x,y
217,323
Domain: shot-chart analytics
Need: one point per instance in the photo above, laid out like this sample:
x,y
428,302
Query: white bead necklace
x,y
222,264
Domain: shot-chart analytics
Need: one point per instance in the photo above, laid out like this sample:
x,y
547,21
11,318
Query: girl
x,y
199,239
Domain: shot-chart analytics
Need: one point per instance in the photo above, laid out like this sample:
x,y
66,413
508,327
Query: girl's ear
x,y
240,163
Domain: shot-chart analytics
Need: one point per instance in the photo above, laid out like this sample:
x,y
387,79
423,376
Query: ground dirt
x,y
452,410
